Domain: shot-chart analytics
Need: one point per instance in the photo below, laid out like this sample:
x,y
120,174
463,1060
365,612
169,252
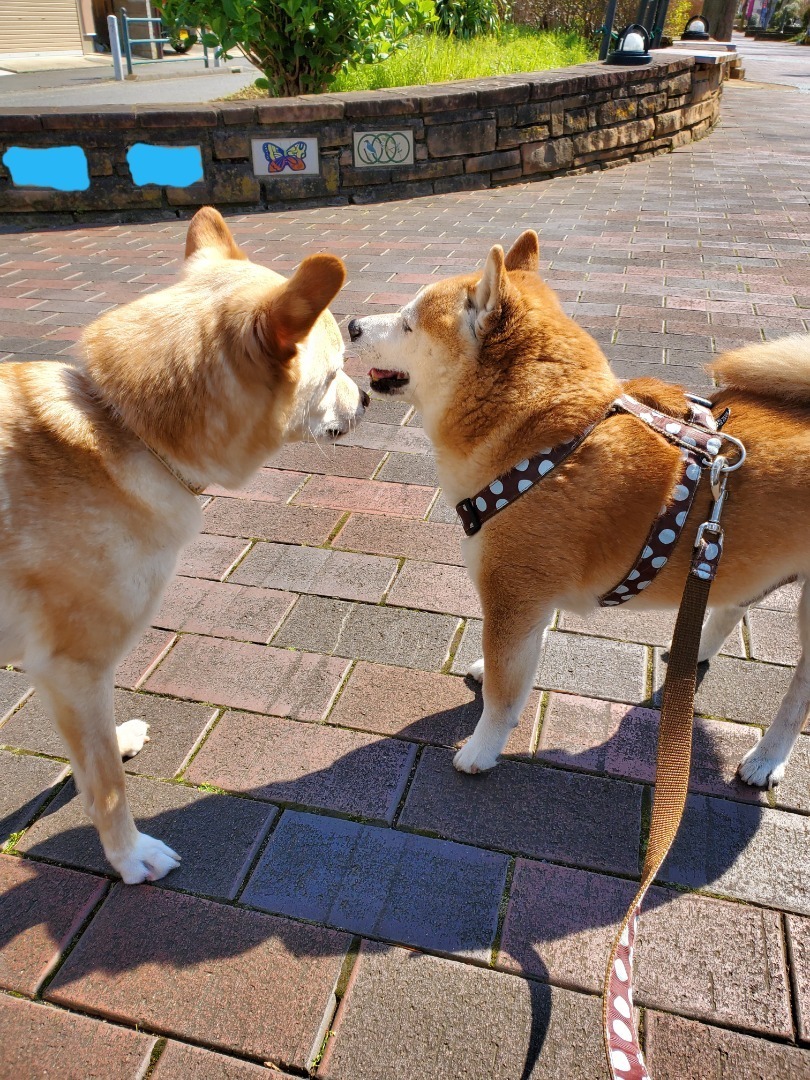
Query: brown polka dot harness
x,y
700,443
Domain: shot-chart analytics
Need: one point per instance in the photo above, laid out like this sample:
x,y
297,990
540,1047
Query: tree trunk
x,y
720,14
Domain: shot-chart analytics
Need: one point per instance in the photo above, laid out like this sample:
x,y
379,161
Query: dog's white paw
x,y
148,860
131,737
761,769
476,670
474,758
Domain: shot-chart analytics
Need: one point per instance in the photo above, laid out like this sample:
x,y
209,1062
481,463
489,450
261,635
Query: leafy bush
x,y
301,45
467,18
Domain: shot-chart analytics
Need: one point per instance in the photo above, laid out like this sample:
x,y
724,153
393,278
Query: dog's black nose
x,y
355,330
366,400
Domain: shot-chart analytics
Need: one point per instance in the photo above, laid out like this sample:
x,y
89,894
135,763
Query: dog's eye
x,y
406,327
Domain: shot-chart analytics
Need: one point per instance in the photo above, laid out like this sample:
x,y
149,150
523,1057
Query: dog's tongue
x,y
382,373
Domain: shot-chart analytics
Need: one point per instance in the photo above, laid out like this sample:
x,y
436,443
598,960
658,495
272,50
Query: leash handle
x,y
622,1046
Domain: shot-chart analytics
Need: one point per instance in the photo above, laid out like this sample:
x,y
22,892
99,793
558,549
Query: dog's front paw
x,y
148,860
476,670
131,737
474,758
761,769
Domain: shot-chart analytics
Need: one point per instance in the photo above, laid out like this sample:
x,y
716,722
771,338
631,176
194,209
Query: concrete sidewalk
x,y
90,81
341,884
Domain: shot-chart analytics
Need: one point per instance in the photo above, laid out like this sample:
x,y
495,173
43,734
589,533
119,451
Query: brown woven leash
x,y
622,1046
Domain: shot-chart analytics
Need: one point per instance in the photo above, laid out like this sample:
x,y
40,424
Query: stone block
x,y
264,521
548,156
679,84
594,141
745,852
422,1016
668,122
237,112
532,112
194,195
25,784
316,570
179,1061
423,540
243,675
309,765
422,707
303,109
651,104
230,146
489,162
528,809
693,1051
174,728
502,92
243,982
517,136
374,103
616,110
428,893
216,835
451,140
33,1034
179,117
637,131
575,120
42,908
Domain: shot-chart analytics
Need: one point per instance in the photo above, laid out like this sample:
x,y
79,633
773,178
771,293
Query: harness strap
x,y
696,443
699,443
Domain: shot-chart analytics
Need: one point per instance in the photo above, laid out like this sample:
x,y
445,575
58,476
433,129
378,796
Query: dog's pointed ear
x,y
491,290
209,231
293,309
524,254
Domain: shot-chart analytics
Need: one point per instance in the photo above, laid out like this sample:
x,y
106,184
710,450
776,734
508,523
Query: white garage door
x,y
39,26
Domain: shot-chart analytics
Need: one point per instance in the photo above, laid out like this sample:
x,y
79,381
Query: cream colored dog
x,y
194,385
498,371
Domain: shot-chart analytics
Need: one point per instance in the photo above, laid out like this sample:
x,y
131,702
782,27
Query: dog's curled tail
x,y
777,369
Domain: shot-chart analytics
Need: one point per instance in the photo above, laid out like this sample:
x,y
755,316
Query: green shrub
x,y
301,45
467,18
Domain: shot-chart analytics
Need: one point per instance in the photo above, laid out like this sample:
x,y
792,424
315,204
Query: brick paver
x,y
304,683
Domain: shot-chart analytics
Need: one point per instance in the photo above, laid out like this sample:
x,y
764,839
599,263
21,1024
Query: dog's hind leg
x,y
764,766
512,642
79,699
718,626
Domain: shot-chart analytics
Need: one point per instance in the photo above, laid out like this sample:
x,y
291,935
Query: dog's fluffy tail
x,y
777,369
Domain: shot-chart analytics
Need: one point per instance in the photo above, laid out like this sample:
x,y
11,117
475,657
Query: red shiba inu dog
x,y
498,371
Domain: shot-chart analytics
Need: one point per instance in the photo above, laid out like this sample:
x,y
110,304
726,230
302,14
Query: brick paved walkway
x,y
303,683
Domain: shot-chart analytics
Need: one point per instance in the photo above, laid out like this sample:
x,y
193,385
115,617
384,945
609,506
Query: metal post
x,y
217,57
127,42
659,21
115,47
607,29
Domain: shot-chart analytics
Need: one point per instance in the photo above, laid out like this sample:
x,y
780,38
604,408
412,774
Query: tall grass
x,y
433,58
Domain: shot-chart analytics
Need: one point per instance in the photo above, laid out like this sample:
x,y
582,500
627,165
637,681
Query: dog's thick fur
x,y
214,374
499,371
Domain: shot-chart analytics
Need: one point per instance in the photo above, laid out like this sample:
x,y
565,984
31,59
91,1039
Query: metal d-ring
x,y
726,467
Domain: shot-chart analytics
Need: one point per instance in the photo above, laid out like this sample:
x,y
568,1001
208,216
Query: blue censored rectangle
x,y
60,168
167,166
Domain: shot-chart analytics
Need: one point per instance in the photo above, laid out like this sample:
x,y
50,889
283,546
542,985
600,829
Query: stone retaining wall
x,y
446,137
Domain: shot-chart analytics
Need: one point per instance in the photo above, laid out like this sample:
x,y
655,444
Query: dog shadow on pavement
x,y
556,930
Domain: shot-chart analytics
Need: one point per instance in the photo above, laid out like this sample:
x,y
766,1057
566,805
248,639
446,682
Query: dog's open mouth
x,y
388,382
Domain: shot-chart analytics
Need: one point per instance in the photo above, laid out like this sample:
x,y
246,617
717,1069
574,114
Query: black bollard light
x,y
632,47
697,29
